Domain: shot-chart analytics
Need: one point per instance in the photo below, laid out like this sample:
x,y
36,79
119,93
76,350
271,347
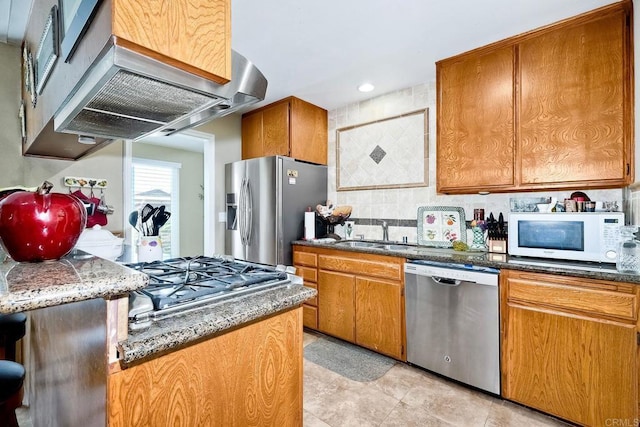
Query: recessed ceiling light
x,y
366,87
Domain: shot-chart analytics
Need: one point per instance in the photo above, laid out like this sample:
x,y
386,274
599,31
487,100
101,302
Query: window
x,y
157,183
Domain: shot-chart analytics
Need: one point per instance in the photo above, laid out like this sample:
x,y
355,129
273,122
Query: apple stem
x,y
44,188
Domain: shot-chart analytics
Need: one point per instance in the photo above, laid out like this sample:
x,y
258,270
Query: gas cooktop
x,y
182,284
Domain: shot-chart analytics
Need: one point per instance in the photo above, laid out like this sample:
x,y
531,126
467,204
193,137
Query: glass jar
x,y
628,251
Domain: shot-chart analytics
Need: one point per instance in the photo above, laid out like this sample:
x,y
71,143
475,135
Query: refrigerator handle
x,y
249,218
242,211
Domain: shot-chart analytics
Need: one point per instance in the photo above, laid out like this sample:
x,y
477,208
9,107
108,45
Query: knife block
x,y
498,246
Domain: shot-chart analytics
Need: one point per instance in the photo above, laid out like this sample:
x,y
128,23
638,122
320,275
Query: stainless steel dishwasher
x,y
452,321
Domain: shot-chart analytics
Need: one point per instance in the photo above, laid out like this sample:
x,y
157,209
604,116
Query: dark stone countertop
x,y
588,270
76,277
170,334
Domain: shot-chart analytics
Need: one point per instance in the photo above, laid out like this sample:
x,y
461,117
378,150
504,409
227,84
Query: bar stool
x,y
11,379
12,328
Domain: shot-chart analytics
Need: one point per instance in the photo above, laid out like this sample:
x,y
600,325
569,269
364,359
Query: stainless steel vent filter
x,y
131,104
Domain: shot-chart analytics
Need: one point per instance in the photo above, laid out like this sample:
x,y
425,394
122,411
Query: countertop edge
x,y
169,334
76,277
481,259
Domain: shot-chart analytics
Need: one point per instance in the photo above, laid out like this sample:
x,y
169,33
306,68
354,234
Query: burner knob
x,y
290,269
281,267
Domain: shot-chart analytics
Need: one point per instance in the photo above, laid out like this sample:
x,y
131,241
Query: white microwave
x,y
580,236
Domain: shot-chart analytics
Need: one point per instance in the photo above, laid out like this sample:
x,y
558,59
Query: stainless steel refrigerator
x,y
266,199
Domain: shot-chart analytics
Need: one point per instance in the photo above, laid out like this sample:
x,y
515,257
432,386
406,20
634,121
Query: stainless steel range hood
x,y
126,95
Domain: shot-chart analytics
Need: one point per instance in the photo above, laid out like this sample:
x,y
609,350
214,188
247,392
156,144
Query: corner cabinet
x,y
360,297
549,109
569,346
290,127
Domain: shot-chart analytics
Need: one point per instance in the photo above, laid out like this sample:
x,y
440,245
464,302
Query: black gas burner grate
x,y
182,280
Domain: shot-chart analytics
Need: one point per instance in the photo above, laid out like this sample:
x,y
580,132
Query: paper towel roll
x,y
309,225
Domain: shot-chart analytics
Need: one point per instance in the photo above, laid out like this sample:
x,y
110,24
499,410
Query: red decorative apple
x,y
40,226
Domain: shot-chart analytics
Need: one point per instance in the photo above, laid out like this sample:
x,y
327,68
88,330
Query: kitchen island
x,y
235,361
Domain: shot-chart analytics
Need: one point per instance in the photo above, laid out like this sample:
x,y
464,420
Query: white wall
x,y
227,149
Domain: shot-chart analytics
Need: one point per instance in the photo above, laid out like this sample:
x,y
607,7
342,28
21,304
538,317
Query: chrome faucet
x,y
385,231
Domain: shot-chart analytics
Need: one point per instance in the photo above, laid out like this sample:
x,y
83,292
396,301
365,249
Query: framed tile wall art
x,y
387,153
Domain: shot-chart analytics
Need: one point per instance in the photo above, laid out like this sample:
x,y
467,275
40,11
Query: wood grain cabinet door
x,y
475,121
336,305
195,34
580,369
275,130
251,136
309,129
569,346
379,316
575,104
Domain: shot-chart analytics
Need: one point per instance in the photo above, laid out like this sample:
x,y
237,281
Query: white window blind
x,y
157,183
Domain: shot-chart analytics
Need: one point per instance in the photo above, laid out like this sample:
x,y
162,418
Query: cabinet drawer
x,y
589,300
314,300
376,268
305,258
308,274
310,316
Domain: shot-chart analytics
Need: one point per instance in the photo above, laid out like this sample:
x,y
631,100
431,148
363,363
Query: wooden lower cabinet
x,y
250,376
569,347
360,297
306,267
336,304
379,315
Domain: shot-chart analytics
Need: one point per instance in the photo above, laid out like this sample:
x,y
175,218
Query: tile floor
x,y
405,396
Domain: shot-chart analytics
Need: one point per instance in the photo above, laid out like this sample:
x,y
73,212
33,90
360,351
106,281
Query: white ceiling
x,y
321,51
13,20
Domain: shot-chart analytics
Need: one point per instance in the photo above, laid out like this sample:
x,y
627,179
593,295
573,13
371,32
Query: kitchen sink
x,y
376,245
398,247
359,244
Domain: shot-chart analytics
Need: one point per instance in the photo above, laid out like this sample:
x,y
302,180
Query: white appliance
x,y
579,236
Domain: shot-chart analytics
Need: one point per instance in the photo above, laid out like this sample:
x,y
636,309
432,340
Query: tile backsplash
x,y
370,207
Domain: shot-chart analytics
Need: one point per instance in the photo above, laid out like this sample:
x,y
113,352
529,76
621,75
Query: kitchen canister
x,y
149,249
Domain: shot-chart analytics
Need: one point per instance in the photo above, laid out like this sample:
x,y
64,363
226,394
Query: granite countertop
x,y
76,277
167,335
500,261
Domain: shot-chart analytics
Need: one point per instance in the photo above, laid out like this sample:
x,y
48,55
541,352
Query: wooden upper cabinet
x,y
194,35
275,130
549,109
289,127
574,91
475,121
252,131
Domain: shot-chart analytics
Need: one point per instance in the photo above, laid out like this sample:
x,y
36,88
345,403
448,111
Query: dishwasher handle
x,y
445,281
